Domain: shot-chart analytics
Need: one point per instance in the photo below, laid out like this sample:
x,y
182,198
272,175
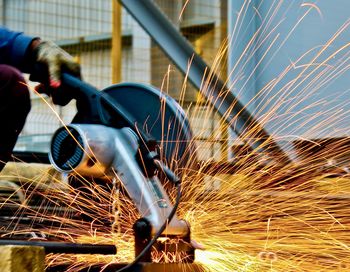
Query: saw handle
x,y
88,98
93,106
72,87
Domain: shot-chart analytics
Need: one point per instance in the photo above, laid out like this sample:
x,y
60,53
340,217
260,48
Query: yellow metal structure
x,y
116,49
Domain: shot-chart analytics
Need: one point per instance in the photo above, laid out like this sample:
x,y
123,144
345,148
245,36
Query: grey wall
x,y
313,105
59,19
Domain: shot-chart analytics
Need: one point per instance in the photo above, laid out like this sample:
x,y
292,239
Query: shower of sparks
x,y
183,9
253,214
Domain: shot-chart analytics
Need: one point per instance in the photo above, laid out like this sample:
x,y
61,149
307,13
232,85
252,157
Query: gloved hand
x,y
48,62
56,60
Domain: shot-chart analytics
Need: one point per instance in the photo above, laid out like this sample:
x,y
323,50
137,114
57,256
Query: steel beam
x,y
139,267
116,58
180,51
67,248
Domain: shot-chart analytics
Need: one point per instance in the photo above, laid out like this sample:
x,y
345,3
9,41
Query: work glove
x,y
55,61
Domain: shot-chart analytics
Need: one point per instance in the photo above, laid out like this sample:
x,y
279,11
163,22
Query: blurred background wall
x,y
86,30
258,41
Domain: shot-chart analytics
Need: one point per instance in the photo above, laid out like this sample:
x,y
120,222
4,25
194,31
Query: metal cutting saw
x,y
133,132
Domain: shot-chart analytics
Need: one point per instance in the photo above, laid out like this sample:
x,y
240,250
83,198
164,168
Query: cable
x,y
160,231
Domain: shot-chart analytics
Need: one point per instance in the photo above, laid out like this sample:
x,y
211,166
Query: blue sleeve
x,y
13,47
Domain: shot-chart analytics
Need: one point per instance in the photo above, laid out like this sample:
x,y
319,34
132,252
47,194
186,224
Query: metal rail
x,y
180,51
67,248
139,267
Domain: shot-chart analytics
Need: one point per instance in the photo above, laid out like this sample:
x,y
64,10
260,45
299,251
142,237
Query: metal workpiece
x,y
139,267
168,245
180,51
67,248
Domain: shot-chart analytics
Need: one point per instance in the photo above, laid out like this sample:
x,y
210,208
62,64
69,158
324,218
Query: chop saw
x,y
142,136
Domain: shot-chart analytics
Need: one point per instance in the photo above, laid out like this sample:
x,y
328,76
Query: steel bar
x,y
139,267
31,156
67,248
180,51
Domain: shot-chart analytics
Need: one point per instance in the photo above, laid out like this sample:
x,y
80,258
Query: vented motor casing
x,y
86,149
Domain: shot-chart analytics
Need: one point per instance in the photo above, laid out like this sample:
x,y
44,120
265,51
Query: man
x,y
20,53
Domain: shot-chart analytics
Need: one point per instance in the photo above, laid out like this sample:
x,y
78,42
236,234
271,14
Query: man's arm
x,y
14,48
22,52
